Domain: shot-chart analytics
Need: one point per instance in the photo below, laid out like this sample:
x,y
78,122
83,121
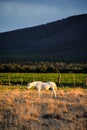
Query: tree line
x,y
44,67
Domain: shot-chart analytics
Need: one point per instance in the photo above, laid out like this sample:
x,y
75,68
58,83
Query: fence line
x,y
61,79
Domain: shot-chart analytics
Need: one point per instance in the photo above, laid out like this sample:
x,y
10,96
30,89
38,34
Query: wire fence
x,y
63,79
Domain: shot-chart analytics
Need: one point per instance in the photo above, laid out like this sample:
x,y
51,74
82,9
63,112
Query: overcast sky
x,y
15,14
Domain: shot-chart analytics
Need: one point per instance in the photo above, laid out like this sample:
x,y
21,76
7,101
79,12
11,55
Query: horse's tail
x,y
55,86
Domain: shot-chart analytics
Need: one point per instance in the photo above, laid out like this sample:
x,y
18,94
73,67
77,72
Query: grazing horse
x,y
43,86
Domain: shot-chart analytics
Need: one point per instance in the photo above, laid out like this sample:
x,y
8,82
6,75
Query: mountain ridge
x,y
63,40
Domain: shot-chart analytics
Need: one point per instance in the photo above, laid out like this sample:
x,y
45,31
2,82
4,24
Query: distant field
x,y
66,79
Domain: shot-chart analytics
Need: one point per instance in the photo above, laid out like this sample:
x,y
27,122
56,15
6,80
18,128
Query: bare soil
x,y
25,110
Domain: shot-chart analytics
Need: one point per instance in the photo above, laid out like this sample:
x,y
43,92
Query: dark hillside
x,y
64,40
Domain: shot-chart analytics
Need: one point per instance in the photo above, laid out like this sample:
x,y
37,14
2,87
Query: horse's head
x,y
29,86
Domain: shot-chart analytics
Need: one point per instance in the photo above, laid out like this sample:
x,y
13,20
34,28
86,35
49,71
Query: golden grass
x,y
26,111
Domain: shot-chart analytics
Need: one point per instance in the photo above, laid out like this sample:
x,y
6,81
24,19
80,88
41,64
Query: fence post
x,y
86,81
9,82
35,78
21,81
59,79
74,79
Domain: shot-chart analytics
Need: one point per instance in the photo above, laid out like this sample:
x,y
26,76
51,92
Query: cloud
x,y
52,2
25,13
22,14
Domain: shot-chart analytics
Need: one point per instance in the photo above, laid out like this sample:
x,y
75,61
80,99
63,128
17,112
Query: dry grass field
x,y
24,110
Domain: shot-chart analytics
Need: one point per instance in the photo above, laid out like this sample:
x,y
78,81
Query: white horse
x,y
43,86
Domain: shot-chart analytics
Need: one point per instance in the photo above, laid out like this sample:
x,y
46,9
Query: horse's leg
x,y
39,92
53,93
